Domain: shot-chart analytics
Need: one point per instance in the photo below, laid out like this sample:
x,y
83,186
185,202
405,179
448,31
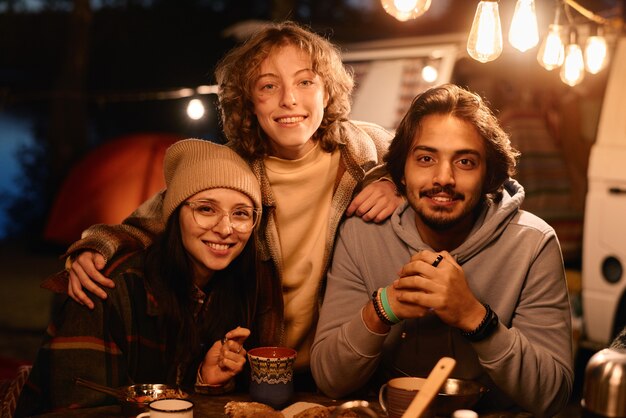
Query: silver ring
x,y
437,260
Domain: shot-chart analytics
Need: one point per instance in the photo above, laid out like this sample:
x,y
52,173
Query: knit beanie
x,y
193,165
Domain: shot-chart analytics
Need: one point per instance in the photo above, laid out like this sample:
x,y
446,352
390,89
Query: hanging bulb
x,y
573,69
524,33
429,73
404,10
552,51
596,52
195,109
485,39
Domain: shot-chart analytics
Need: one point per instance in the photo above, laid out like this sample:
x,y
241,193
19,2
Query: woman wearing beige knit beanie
x,y
181,309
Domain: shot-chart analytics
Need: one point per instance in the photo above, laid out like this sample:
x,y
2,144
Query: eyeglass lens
x,y
208,215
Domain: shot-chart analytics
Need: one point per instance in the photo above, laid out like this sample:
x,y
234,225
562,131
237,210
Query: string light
x,y
596,51
484,42
195,109
485,39
404,10
552,51
429,73
524,33
573,69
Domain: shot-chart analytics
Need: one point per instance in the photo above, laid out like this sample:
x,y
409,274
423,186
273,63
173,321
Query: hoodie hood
x,y
489,226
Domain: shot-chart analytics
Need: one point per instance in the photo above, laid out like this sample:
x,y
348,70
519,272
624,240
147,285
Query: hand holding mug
x,y
225,358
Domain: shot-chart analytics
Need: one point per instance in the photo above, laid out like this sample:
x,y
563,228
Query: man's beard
x,y
439,221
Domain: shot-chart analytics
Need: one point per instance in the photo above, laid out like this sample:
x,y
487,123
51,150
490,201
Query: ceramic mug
x,y
271,375
396,395
169,408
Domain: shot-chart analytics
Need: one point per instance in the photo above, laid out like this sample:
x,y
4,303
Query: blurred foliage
x,y
28,209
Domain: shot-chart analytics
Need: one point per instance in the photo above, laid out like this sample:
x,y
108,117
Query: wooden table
x,y
213,407
204,406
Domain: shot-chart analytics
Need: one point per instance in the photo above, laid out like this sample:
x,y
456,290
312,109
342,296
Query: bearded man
x,y
459,270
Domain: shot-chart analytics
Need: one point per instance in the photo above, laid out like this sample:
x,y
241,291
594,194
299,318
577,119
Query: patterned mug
x,y
271,375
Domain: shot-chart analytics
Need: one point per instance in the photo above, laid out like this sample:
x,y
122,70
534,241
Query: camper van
x,y
390,73
604,238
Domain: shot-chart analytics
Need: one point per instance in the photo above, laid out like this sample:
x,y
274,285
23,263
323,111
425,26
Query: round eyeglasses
x,y
207,215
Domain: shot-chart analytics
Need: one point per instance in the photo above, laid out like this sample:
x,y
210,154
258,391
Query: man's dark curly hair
x,y
450,99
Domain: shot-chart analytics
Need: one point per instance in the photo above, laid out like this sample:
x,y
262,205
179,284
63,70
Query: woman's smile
x,y
218,247
288,120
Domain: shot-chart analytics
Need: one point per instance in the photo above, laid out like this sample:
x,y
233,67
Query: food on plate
x,y
158,394
142,399
235,409
323,412
315,412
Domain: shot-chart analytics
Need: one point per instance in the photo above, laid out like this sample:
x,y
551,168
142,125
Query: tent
x,y
108,184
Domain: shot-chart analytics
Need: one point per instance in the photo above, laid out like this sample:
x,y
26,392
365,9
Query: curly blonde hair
x,y
236,74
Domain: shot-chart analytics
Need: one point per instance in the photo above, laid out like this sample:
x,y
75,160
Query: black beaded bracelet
x,y
486,327
379,309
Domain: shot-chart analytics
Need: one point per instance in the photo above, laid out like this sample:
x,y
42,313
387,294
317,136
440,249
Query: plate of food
x,y
235,409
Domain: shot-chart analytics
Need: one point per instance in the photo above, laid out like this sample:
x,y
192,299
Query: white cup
x,y
169,408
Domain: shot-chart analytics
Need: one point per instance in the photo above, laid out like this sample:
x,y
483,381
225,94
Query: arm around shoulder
x,y
135,232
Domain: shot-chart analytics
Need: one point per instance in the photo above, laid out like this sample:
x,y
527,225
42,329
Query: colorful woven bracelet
x,y
379,309
387,307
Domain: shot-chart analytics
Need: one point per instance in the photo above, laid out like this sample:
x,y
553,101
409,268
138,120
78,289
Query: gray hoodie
x,y
512,261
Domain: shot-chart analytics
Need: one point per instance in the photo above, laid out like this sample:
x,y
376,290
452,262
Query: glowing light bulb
x,y
429,73
524,33
195,109
404,10
573,69
552,51
485,39
596,52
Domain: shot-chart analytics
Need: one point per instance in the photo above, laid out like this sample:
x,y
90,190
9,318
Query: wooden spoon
x,y
430,388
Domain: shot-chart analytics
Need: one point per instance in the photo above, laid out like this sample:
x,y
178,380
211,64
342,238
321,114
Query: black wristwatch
x,y
486,327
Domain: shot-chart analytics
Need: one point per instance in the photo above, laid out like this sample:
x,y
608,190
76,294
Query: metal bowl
x,y
453,395
457,394
136,398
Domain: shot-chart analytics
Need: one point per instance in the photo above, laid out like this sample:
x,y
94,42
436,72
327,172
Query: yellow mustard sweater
x,y
303,192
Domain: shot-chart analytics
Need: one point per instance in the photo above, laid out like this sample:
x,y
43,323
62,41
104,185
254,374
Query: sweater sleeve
x,y
345,353
381,139
531,360
78,343
136,232
380,136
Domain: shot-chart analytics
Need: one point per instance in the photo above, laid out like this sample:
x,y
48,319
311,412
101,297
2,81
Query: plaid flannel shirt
x,y
120,342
